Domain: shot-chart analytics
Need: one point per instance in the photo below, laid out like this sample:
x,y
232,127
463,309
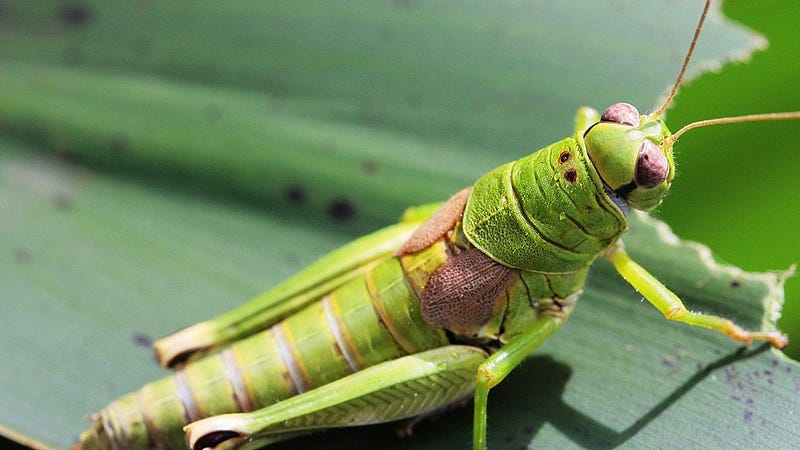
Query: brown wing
x,y
465,292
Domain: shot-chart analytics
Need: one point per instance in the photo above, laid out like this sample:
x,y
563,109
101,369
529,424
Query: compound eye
x,y
621,113
652,166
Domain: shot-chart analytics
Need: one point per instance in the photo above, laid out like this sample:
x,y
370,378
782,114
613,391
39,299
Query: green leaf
x,y
162,164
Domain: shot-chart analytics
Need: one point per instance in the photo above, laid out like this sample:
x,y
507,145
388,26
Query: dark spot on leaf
x,y
341,209
75,14
118,143
736,284
22,256
67,155
748,415
142,340
62,202
369,167
295,194
65,152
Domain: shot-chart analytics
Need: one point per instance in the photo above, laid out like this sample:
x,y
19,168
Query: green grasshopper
x,y
425,313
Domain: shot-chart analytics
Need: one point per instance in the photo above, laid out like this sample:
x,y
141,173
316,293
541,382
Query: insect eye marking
x,y
571,175
652,167
621,113
564,157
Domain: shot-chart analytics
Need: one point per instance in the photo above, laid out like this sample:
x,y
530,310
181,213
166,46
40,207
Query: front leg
x,y
501,363
672,307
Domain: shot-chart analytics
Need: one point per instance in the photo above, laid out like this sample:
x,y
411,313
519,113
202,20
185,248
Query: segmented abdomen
x,y
368,320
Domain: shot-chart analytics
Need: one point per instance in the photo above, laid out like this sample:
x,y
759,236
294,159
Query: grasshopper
x,y
429,312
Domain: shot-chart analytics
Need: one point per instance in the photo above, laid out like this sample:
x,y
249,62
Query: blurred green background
x,y
326,120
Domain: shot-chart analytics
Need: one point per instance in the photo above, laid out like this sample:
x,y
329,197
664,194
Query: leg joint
x,y
484,376
677,312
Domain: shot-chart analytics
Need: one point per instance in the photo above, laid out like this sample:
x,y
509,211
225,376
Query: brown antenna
x,y
686,60
736,119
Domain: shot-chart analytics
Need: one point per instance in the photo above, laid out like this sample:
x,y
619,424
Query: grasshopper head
x,y
629,152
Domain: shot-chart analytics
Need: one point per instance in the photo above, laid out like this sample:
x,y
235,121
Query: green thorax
x,y
547,212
